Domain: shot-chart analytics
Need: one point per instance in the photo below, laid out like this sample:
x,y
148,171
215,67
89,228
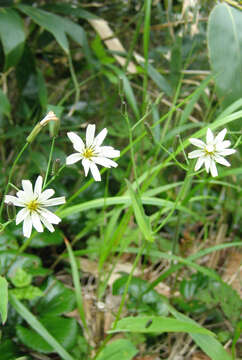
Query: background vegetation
x,y
150,265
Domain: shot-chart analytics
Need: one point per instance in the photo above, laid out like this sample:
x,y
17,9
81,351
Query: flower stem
x,y
10,176
49,161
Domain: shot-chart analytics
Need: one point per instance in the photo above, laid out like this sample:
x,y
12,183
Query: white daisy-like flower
x,y
92,152
213,151
34,203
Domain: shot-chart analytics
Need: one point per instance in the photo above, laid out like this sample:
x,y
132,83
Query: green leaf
x,y
39,328
3,299
159,80
157,324
63,330
142,220
58,26
225,50
46,239
12,260
57,300
5,106
27,293
21,278
118,350
12,35
8,350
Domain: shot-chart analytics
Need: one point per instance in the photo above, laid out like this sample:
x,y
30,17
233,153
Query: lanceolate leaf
x,y
12,36
3,299
225,50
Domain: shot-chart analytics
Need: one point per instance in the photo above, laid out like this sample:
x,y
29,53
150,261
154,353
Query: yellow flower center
x,y
33,205
210,149
88,153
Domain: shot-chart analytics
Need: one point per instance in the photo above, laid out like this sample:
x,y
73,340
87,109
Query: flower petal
x,y
199,163
47,224
226,152
196,153
46,195
21,215
90,135
55,201
14,200
77,142
109,151
213,169
219,138
38,185
36,222
28,188
197,142
27,226
100,137
95,172
48,215
207,161
105,162
223,145
86,164
73,158
221,160
209,136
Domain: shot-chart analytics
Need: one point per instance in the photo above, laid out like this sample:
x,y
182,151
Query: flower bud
x,y
49,117
55,166
11,211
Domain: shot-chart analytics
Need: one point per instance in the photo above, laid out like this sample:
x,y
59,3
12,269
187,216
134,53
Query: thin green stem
x,y
49,161
55,176
10,176
146,50
75,82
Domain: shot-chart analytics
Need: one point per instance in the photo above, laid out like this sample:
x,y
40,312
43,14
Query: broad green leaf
x,y
62,329
8,350
39,328
12,35
157,324
27,293
5,106
11,260
21,278
3,299
46,239
58,26
142,220
57,300
225,50
118,350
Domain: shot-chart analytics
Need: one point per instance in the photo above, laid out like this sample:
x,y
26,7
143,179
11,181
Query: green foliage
x,y
225,47
118,350
21,278
3,299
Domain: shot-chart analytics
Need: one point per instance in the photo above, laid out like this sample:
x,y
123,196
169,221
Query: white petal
x,y
108,151
90,135
27,226
47,224
28,188
24,197
55,201
196,153
105,162
199,163
213,169
223,145
86,164
207,161
100,137
221,160
48,215
209,136
36,222
46,195
21,215
219,138
95,172
197,142
38,185
226,152
77,142
14,200
73,158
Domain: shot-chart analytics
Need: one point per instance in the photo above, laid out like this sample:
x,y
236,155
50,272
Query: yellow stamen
x,y
88,153
33,205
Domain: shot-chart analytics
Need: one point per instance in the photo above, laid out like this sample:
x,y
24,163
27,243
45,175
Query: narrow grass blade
x,y
3,299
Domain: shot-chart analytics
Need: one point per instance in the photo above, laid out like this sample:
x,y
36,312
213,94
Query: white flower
x,y
92,153
213,151
34,203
